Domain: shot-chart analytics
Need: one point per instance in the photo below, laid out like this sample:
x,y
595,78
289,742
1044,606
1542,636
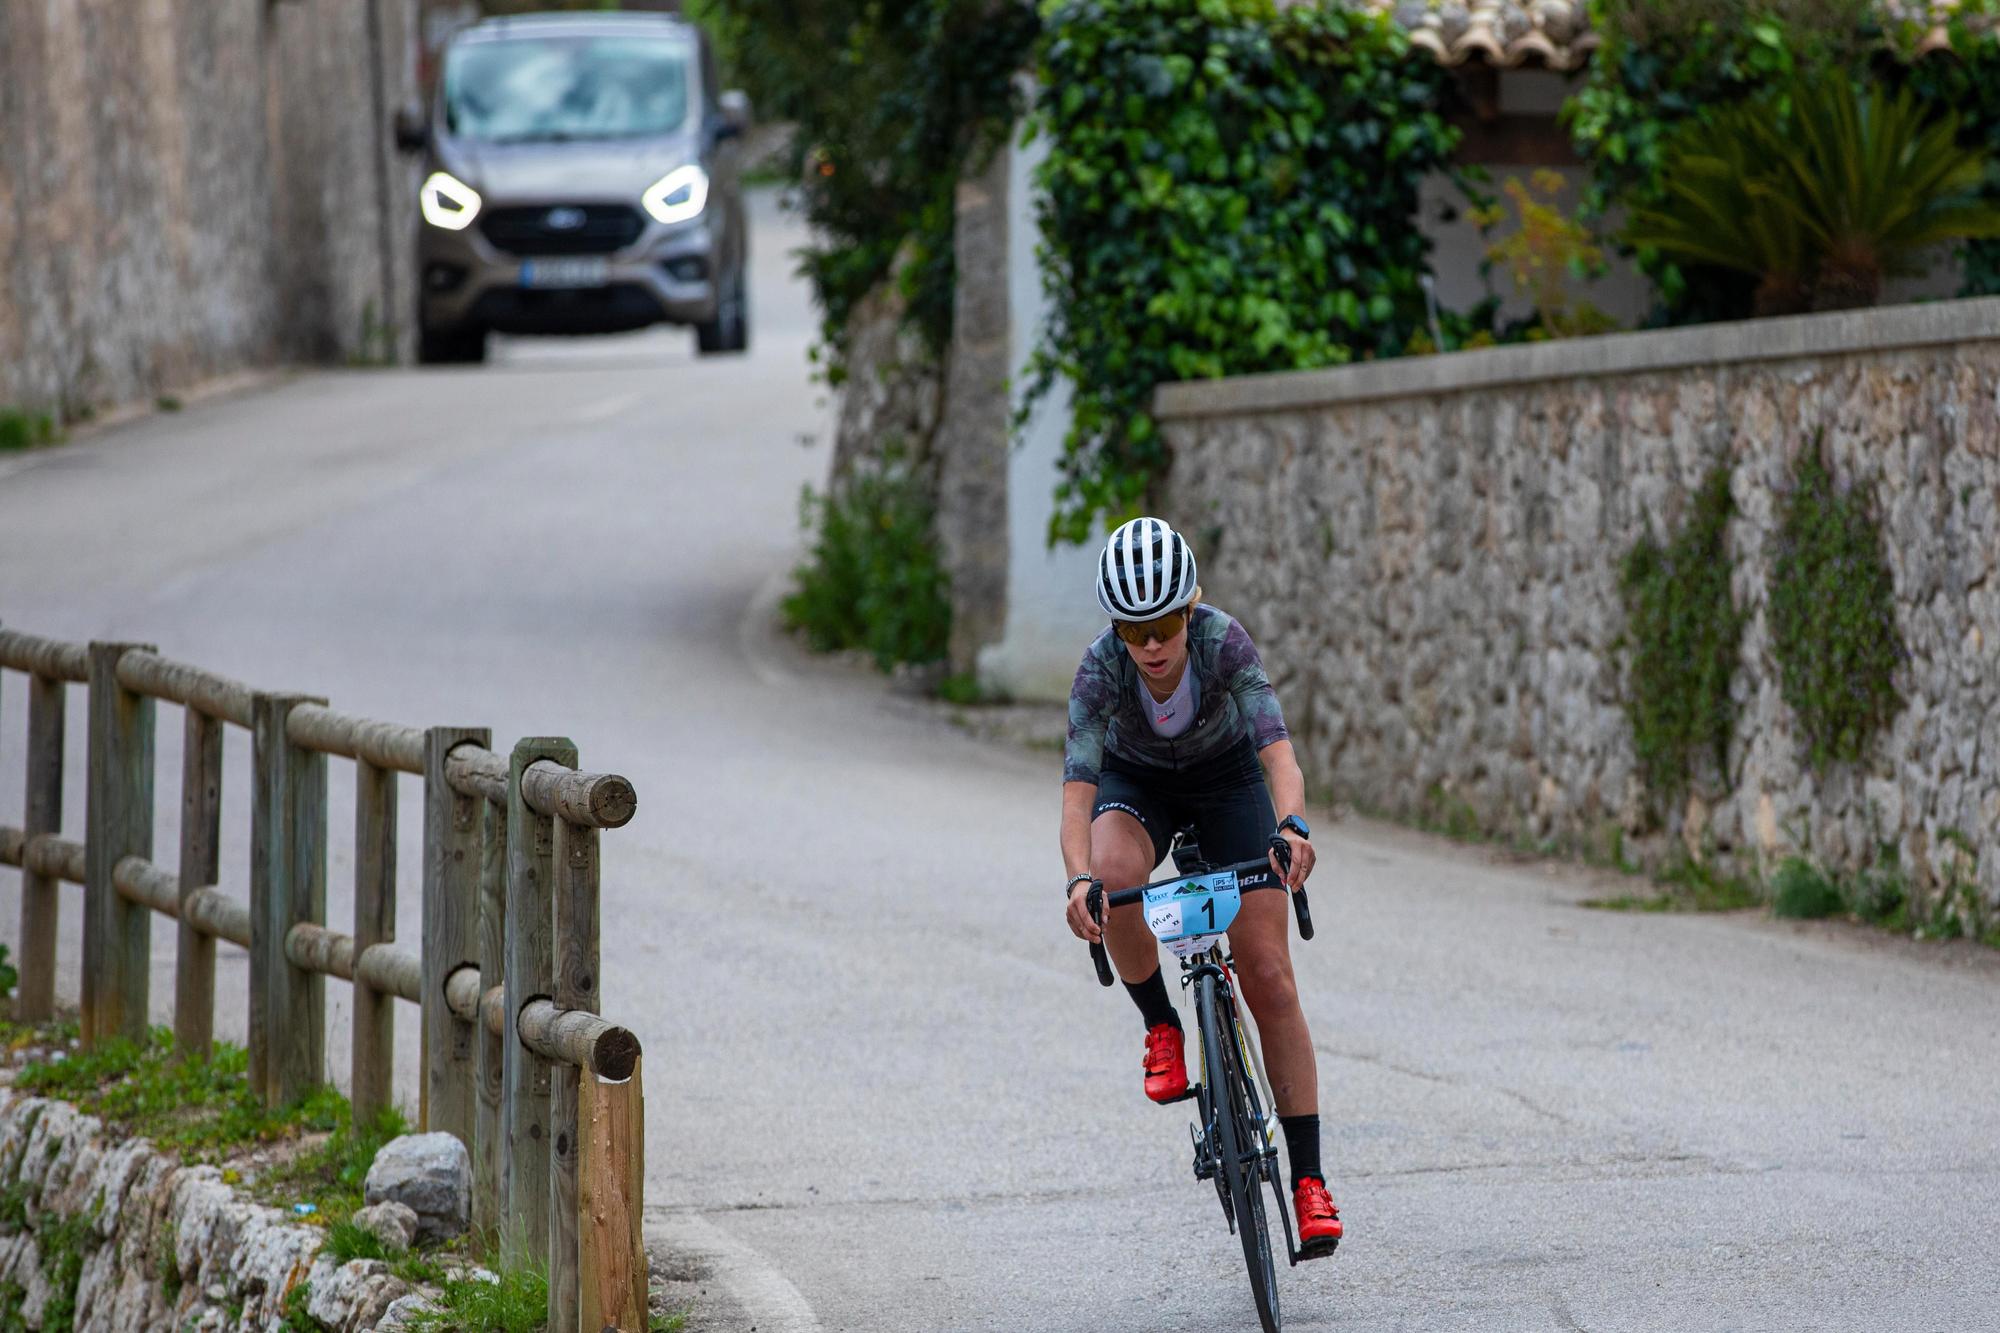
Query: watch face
x,y
1294,822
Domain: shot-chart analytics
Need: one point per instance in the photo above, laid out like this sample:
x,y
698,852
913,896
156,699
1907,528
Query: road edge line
x,y
768,1298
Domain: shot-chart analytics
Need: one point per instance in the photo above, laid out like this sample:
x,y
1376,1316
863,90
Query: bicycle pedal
x,y
1175,1101
1316,1249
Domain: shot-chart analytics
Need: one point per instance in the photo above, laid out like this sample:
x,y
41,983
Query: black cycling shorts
x,y
1224,800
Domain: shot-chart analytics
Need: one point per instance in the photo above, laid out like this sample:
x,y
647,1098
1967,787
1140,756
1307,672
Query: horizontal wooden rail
x,y
43,853
177,682
329,731
50,659
474,770
389,968
594,800
207,909
569,1035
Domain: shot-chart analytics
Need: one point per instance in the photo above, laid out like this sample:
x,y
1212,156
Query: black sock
x,y
1302,1146
1153,1001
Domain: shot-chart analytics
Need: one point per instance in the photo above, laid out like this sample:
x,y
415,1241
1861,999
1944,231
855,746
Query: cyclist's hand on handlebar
x,y
1080,923
1302,860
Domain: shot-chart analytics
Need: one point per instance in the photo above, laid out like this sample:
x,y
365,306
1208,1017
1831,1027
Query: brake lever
x,y
1094,901
1283,851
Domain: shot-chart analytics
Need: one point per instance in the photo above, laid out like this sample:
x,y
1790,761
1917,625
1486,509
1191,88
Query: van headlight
x,y
678,196
448,202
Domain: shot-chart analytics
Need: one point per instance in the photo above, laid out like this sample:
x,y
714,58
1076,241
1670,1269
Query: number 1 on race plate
x,y
1186,914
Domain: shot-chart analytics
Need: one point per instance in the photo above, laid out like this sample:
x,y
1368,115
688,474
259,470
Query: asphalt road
x,y
884,1093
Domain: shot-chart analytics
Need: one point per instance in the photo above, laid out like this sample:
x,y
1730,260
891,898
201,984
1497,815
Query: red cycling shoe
x,y
1166,1063
1319,1220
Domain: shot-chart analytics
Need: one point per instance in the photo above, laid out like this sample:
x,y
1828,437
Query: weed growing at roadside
x,y
1690,886
297,1318
330,1176
873,579
8,976
1800,891
517,1303
346,1242
26,430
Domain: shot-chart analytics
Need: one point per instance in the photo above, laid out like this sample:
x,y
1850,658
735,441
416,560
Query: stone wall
x,y
1427,553
160,1245
194,187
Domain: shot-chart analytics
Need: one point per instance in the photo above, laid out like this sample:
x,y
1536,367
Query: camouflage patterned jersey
x,y
1232,699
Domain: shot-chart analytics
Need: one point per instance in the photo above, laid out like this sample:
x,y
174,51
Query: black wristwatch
x,y
1296,825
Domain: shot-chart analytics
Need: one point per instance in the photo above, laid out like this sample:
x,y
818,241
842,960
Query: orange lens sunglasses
x,y
1136,632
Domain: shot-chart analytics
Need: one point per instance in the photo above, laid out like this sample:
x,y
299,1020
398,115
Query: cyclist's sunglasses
x,y
1136,632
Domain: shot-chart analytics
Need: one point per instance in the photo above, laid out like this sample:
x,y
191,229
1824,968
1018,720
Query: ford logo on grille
x,y
563,219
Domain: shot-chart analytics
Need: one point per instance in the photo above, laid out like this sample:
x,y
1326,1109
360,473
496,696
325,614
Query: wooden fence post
x,y
35,1002
118,822
451,917
489,1147
611,1176
576,955
530,976
287,886
374,1052
200,867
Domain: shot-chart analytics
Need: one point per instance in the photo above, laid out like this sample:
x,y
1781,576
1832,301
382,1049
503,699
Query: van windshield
x,y
526,89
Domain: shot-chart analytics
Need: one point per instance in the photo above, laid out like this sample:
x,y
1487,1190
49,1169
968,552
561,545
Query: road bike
x,y
1236,1130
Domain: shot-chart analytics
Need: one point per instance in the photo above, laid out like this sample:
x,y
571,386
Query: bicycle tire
x,y
1235,1159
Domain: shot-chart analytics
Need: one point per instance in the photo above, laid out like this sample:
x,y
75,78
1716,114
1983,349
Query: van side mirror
x,y
412,128
735,108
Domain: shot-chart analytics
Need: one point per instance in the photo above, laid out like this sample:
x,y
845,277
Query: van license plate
x,y
591,272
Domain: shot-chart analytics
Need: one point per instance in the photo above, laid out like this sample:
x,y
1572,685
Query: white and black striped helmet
x,y
1146,571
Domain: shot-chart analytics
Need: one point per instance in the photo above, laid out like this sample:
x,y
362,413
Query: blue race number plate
x,y
1186,914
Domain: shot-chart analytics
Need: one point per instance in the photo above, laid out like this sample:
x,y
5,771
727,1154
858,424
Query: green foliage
x,y
64,1243
1799,890
893,102
517,1303
346,1242
296,1317
1683,633
1688,886
873,578
1833,616
8,976
1546,250
166,1260
196,1107
1818,190
1665,61
26,430
330,1174
1230,188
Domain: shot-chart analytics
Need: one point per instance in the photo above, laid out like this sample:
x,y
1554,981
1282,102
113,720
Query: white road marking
x,y
607,408
771,1302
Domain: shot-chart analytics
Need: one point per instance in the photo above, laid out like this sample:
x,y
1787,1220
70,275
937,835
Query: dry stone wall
x,y
152,1244
190,188
1428,553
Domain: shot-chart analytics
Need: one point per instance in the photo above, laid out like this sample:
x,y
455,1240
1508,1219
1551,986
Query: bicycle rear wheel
x,y
1237,1149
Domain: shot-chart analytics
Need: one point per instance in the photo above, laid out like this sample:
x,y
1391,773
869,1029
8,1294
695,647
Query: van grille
x,y
527,231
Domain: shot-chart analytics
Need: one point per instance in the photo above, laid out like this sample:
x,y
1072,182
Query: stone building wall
x,y
194,187
1427,553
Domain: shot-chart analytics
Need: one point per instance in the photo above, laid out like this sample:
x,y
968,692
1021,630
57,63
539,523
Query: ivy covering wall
x,y
1229,189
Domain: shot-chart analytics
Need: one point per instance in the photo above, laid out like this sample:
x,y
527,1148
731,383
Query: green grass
x,y
1799,891
26,430
330,1175
195,1107
1688,886
346,1242
517,1303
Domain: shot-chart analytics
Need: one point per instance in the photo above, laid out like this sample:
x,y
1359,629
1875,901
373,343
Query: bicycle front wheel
x,y
1237,1148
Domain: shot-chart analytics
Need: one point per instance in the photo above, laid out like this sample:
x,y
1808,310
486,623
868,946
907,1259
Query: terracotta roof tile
x,y
1557,33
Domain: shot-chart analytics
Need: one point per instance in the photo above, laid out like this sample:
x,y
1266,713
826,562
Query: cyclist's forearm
x,y
1078,798
1287,782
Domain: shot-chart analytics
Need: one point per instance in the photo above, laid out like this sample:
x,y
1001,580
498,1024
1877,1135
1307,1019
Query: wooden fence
x,y
516,1062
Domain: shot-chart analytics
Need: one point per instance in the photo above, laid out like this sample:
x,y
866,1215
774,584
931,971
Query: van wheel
x,y
729,331
451,347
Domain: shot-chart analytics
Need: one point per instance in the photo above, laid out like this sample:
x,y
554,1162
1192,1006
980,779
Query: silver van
x,y
581,175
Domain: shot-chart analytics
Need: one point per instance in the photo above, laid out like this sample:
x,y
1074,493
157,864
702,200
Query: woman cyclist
x,y
1170,718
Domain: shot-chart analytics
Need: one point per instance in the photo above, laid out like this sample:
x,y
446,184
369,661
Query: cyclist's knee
x,y
1117,857
1267,983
